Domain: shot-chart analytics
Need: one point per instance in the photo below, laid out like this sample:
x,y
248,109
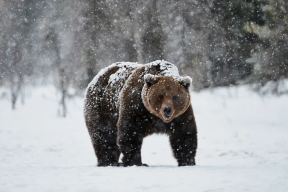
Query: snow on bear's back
x,y
125,68
122,68
166,68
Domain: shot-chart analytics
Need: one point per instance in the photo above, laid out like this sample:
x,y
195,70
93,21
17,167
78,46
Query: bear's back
x,y
102,93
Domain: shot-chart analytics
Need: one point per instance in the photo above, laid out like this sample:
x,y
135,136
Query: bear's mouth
x,y
166,117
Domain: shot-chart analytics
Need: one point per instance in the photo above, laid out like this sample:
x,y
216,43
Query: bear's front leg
x,y
183,139
131,125
184,148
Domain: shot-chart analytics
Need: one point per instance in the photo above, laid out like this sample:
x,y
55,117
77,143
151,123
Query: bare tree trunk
x,y
16,74
54,42
16,85
22,93
62,81
14,99
90,64
63,90
197,72
209,74
136,34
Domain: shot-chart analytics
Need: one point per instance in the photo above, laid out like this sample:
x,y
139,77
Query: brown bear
x,y
126,102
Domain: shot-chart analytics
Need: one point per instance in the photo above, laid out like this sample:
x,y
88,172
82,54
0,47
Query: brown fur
x,y
174,96
119,124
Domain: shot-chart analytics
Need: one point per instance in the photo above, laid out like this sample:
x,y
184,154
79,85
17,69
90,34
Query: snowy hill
x,y
243,146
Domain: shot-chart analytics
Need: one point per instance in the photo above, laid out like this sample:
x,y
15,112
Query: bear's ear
x,y
150,79
185,81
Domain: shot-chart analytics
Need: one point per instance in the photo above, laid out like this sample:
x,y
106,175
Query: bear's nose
x,y
167,110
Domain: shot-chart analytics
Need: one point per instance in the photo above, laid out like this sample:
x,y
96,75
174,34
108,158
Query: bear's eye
x,y
174,97
161,97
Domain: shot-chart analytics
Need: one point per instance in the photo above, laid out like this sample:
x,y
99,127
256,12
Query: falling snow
x,y
235,51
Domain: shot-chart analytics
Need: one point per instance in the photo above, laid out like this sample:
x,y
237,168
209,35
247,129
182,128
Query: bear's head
x,y
166,97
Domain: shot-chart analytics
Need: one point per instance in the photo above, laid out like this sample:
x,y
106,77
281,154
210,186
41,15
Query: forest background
x,y
216,42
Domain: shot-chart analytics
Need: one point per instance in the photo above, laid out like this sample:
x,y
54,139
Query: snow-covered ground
x,y
243,146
